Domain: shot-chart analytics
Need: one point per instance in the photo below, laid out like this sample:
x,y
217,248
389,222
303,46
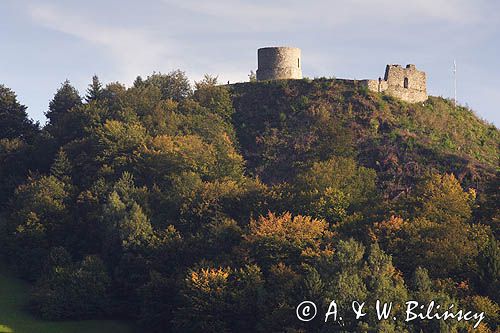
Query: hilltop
x,y
285,126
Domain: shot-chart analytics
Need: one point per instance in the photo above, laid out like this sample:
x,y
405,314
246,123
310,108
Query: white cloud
x,y
279,15
346,38
134,50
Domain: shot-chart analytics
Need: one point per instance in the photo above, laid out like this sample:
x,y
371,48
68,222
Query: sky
x,y
45,42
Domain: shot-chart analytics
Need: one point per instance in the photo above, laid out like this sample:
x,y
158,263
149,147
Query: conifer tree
x,y
64,100
95,90
14,122
61,168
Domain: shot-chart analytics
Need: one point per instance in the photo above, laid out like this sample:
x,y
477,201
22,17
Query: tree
x,y
346,275
333,188
94,91
66,98
16,159
174,85
221,300
252,77
114,94
282,238
76,291
439,236
445,249
216,98
158,302
126,227
441,199
39,221
489,269
491,310
116,143
208,81
14,122
60,124
384,282
61,168
205,295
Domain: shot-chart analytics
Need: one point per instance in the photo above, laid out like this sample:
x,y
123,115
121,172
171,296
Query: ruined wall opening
x,y
405,83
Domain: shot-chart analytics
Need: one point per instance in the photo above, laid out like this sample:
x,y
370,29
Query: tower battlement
x,y
406,83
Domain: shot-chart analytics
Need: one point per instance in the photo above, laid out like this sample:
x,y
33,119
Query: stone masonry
x,y
278,63
407,84
282,63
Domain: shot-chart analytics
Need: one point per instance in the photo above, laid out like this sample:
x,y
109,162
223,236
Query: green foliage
x,y
174,85
95,90
15,160
222,208
442,199
332,188
65,99
439,235
14,122
252,77
126,226
215,98
14,316
61,168
489,269
221,300
158,297
17,136
72,291
490,308
40,219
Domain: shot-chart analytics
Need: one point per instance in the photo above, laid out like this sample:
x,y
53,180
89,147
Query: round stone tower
x,y
279,63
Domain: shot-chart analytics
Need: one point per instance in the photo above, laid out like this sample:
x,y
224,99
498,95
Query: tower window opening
x,y
405,83
298,62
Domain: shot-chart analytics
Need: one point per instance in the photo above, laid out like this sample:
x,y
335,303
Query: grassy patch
x,y
14,318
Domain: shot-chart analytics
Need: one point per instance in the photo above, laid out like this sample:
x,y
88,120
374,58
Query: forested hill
x,y
285,126
220,208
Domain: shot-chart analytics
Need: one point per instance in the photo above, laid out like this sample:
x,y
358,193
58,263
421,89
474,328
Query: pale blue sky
x,y
45,42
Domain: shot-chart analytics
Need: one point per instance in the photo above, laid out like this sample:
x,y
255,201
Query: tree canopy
x,y
220,208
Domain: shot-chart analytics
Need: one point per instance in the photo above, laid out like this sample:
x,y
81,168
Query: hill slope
x,y
223,208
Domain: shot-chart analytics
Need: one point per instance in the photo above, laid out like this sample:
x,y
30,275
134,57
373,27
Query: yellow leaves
x,y
125,131
472,194
484,304
443,200
188,150
387,229
31,225
11,145
481,328
209,280
283,238
230,151
299,229
119,143
182,152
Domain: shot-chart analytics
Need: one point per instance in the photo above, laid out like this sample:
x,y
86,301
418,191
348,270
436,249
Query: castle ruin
x,y
408,84
279,63
282,63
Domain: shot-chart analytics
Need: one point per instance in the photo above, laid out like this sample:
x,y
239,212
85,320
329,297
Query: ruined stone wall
x,y
408,84
278,63
375,85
